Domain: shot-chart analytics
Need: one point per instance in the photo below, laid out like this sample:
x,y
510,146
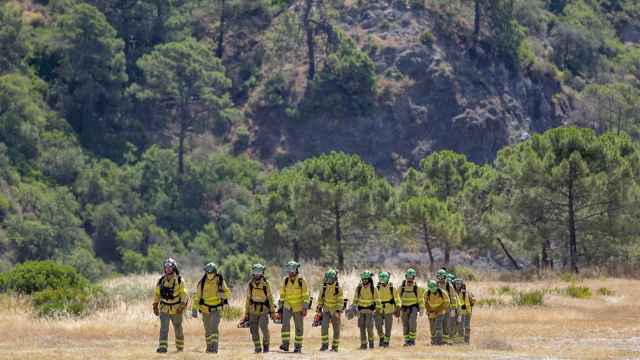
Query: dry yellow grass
x,y
596,328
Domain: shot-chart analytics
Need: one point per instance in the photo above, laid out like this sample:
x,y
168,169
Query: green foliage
x,y
603,291
529,298
487,302
34,276
243,137
466,273
5,206
503,290
236,269
578,292
14,42
232,313
427,38
56,302
346,85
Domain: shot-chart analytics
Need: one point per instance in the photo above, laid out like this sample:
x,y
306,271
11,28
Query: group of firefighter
x,y
445,301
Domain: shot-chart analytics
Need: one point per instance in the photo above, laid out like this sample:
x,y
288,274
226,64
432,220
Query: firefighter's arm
x,y
447,301
396,296
355,297
195,302
247,303
305,294
272,304
472,299
376,298
340,305
283,291
184,297
227,292
156,295
320,297
421,298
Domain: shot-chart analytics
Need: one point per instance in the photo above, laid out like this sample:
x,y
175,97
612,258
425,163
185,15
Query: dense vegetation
x,y
130,131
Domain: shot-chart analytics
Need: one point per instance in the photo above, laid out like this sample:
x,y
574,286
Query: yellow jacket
x,y
294,293
451,291
208,294
331,297
436,303
467,300
366,298
259,298
411,295
389,298
171,295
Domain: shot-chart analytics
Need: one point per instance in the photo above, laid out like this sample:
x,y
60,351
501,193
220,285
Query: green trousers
x,y
330,317
365,323
436,325
384,324
286,327
176,320
211,322
259,323
410,323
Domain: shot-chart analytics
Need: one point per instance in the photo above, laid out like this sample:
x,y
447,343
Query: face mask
x,y
210,276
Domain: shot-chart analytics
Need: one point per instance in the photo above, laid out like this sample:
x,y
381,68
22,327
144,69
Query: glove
x,y
194,314
156,310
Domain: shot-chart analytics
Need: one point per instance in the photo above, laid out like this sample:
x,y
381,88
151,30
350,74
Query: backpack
x,y
393,298
167,293
324,289
359,288
286,281
415,288
204,278
264,289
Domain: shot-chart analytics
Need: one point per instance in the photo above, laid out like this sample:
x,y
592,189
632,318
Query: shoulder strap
x,y
415,289
204,278
324,290
286,281
358,289
300,281
337,289
161,280
404,283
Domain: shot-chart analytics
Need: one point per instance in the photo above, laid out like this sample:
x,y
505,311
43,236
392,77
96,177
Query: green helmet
x,y
458,281
441,274
210,268
451,276
410,274
366,275
432,285
331,275
257,269
292,266
384,276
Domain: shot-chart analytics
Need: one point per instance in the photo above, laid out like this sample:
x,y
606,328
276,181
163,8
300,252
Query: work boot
x,y
257,350
212,348
363,347
284,347
324,347
265,348
297,349
161,350
334,348
381,343
370,344
179,349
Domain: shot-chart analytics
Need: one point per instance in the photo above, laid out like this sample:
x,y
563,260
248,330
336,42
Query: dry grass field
x,y
600,327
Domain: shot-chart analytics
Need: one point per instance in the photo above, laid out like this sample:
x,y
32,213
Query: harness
x,y
415,291
220,289
168,293
393,298
370,307
324,290
266,295
286,281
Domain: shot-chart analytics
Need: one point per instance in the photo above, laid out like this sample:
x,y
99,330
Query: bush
x,y
236,268
64,301
34,276
427,38
605,292
5,205
578,292
231,313
503,290
490,302
87,264
417,4
243,137
529,298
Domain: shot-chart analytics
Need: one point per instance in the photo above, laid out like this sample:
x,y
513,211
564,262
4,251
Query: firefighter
x,y
330,306
445,284
437,304
169,304
294,301
212,294
259,307
467,301
367,302
412,305
390,306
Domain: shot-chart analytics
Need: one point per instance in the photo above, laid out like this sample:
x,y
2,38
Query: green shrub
x,y
427,38
417,4
243,137
465,273
5,205
490,302
578,292
503,290
568,277
34,276
64,301
529,298
231,313
605,292
236,268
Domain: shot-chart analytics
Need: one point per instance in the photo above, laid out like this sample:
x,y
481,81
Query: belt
x,y
370,307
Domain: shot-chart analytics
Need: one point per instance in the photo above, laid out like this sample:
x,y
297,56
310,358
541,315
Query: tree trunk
x,y
220,48
182,135
573,251
339,238
504,248
311,44
547,261
425,233
476,27
447,254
